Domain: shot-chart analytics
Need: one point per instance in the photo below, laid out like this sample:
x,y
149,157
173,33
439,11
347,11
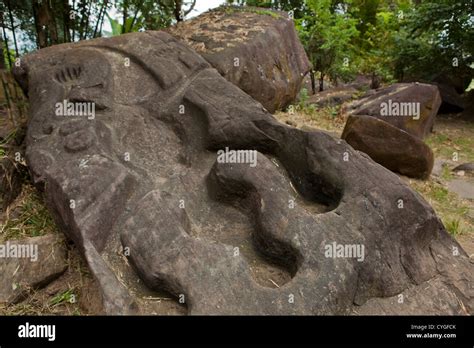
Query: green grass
x,y
268,13
29,218
448,206
446,173
440,194
446,146
232,9
454,227
67,296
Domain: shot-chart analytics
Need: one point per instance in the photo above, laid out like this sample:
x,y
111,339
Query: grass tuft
x,y
27,217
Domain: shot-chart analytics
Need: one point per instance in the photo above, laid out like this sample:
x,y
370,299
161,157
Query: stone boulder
x,y
411,107
256,49
181,182
28,264
452,102
333,97
389,146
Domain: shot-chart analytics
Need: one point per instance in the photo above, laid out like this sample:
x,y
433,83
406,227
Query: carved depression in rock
x,y
141,191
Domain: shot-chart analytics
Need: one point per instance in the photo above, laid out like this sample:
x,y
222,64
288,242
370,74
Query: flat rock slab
x,y
411,107
256,49
29,264
463,187
181,182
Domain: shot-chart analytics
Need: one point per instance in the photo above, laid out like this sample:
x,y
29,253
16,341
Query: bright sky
x,y
200,7
204,5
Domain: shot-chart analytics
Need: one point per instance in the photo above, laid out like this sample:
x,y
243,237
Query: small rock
x,y
438,167
467,168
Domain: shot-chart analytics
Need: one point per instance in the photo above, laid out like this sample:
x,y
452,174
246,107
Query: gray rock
x,y
465,167
29,264
438,167
144,176
464,188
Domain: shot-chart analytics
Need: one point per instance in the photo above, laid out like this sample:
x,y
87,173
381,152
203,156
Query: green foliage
x,y
438,38
7,59
327,32
66,296
385,39
118,29
115,25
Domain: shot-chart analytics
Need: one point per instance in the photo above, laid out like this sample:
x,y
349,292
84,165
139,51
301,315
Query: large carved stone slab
x,y
256,49
149,191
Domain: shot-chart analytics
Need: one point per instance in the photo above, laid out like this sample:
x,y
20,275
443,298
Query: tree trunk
x,y
375,81
86,26
5,38
100,19
321,82
134,19
66,21
73,36
10,15
2,58
124,15
53,30
83,7
45,23
313,81
178,4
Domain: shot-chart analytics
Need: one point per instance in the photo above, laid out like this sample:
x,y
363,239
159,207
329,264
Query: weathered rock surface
x,y
29,264
463,187
398,104
256,49
332,97
143,177
389,146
